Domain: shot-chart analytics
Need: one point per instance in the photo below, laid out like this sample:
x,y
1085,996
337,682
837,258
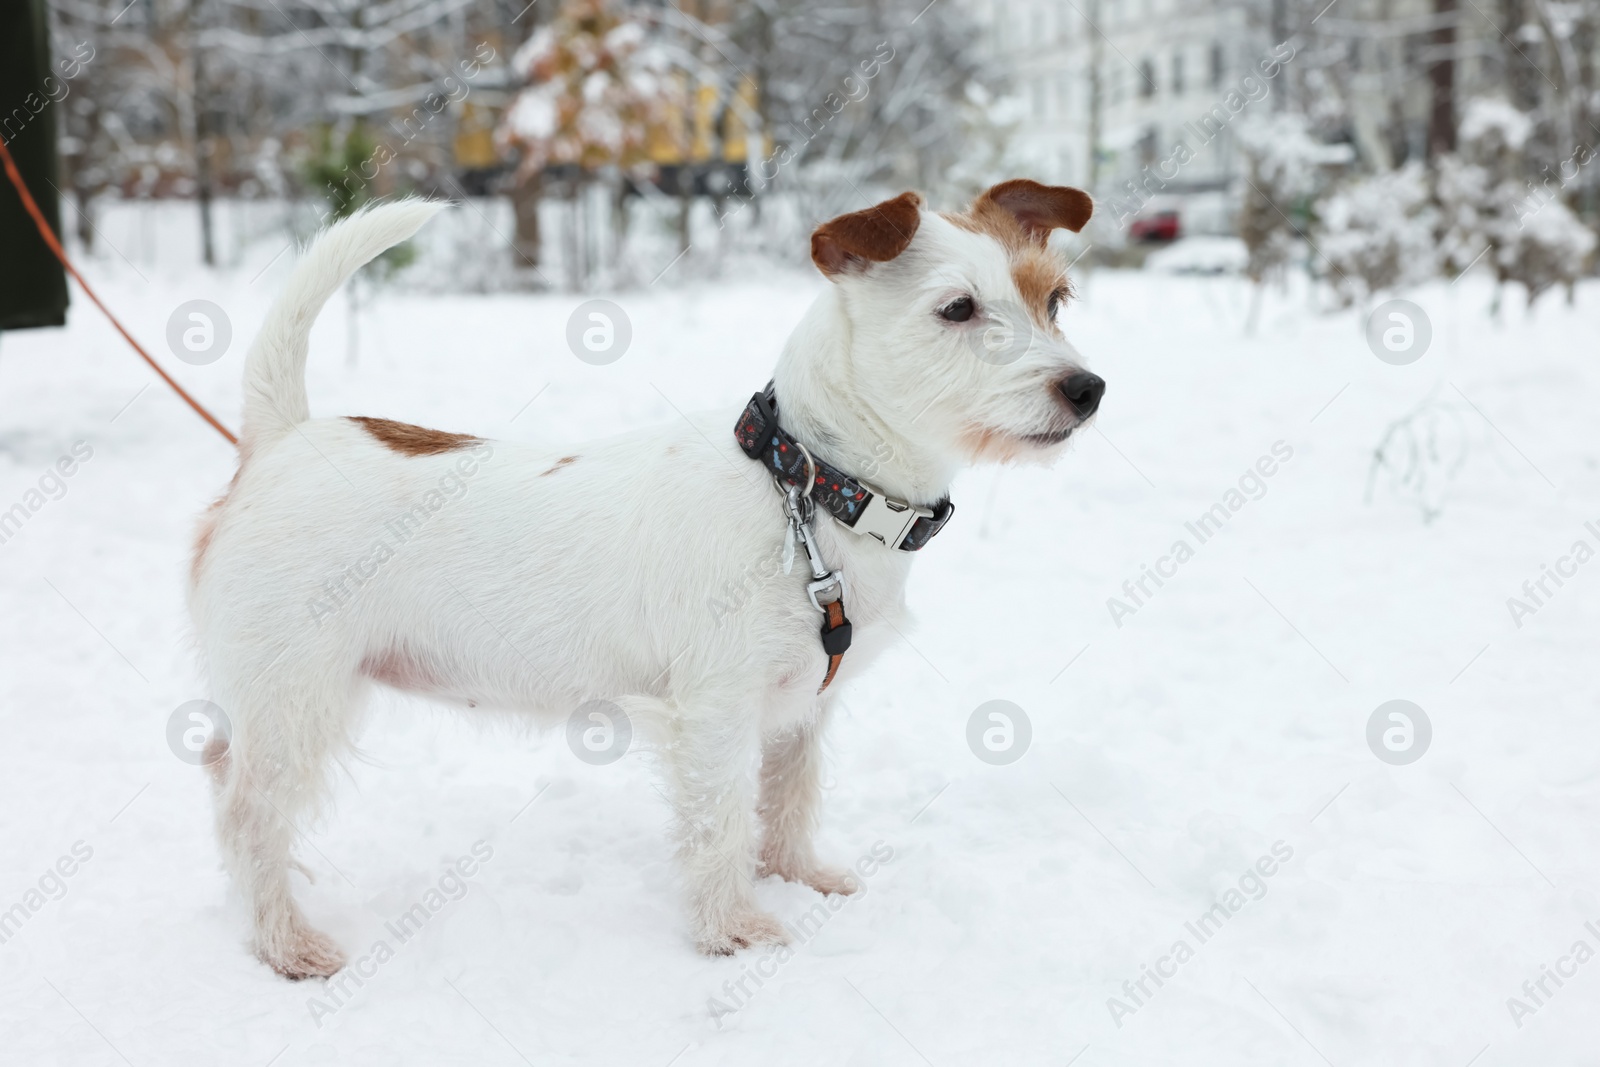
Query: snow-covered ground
x,y
1213,731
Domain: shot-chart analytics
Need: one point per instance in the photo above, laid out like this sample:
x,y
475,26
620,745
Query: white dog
x,y
353,551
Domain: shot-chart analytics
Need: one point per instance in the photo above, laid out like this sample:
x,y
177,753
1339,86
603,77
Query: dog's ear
x,y
875,235
1037,208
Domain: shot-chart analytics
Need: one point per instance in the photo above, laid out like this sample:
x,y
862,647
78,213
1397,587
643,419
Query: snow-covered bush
x,y
1489,214
1281,171
1284,166
1378,233
1479,187
1550,247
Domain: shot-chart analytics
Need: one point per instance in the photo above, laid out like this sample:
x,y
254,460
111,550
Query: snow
x,y
1554,225
1488,116
1203,254
540,48
1170,755
534,114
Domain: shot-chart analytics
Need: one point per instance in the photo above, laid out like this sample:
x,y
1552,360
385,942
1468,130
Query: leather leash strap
x,y
54,245
835,636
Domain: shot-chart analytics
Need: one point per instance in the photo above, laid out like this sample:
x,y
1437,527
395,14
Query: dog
x,y
353,552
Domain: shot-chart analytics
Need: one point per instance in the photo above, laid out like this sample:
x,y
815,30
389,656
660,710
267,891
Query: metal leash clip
x,y
826,586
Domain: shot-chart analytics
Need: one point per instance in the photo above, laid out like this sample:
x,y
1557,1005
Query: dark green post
x,y
33,286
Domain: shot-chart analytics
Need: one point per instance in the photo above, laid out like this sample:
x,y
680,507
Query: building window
x,y
1216,65
1147,75
1177,73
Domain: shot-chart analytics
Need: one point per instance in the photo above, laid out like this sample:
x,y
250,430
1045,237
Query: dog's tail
x,y
275,369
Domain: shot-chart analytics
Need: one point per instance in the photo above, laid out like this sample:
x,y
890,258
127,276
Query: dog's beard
x,y
985,444
1051,438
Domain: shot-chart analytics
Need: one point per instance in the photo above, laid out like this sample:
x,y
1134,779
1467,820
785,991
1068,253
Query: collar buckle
x,y
887,520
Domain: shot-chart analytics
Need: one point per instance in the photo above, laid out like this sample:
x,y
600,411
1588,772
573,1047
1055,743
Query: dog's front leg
x,y
711,762
791,794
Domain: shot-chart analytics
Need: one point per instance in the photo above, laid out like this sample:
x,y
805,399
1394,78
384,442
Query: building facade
x,y
1140,101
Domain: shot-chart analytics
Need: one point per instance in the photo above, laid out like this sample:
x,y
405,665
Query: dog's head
x,y
953,319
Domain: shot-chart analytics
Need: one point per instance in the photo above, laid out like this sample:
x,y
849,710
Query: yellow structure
x,y
474,141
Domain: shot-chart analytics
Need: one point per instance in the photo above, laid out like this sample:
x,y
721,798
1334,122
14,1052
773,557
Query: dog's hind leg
x,y
275,772
710,765
791,793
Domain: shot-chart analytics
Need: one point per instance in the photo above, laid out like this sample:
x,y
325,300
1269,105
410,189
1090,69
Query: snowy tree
x,y
1480,186
596,90
1282,164
1377,233
599,91
1492,211
128,108
893,94
191,97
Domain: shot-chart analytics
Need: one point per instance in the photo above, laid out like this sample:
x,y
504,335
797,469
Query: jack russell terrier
x,y
354,551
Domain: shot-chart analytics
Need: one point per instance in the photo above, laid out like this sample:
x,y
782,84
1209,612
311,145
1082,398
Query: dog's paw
x,y
830,880
308,954
743,930
819,876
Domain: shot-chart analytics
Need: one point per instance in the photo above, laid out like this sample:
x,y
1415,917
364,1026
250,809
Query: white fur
x,y
644,571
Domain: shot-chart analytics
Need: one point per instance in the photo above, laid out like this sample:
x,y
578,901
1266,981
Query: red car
x,y
1160,227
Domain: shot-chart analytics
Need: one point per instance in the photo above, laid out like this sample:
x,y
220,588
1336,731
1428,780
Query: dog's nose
x,y
1083,391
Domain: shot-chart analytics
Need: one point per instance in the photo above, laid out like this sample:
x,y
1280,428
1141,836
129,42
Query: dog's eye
x,y
1057,298
958,310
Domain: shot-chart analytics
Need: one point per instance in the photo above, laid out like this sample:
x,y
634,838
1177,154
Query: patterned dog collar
x,y
858,507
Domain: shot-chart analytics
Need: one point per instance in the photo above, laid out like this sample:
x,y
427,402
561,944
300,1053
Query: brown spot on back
x,y
562,462
409,440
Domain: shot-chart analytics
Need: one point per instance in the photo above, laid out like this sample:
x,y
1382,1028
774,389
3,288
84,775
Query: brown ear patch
x,y
876,235
409,440
1035,209
1039,276
1020,215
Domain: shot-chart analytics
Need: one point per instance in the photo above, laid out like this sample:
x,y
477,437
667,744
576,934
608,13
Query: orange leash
x,y
55,246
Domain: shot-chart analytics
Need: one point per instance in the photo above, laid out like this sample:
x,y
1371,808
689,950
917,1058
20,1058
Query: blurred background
x,y
1370,143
